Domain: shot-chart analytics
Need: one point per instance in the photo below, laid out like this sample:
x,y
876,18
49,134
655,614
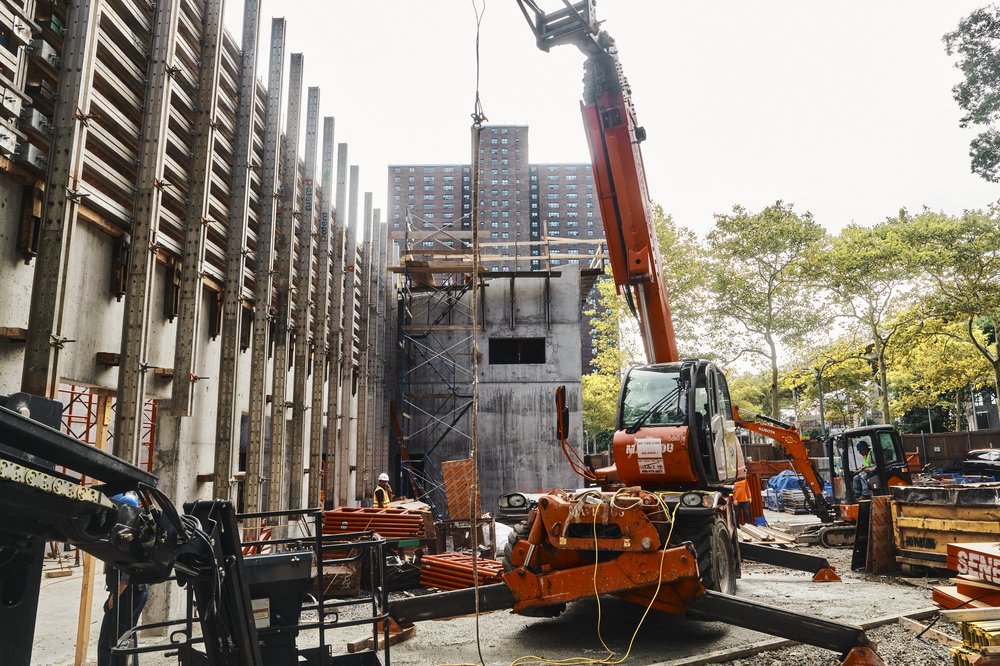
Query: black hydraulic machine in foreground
x,y
41,499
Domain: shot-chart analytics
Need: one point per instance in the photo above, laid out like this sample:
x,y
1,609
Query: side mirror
x,y
562,414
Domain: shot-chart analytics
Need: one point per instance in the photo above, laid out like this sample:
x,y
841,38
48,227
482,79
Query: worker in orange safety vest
x,y
741,495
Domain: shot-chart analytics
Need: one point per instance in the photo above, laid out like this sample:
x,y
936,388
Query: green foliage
x,y
600,401
750,392
870,272
933,362
686,276
760,285
976,43
960,258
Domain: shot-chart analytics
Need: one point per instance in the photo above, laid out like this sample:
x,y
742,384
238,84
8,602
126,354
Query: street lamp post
x,y
819,391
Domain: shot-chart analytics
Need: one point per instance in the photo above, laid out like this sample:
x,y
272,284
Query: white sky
x,y
843,108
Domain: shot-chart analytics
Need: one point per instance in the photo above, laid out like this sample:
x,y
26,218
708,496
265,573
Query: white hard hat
x,y
383,477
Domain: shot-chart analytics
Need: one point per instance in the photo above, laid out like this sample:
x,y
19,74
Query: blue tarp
x,y
787,480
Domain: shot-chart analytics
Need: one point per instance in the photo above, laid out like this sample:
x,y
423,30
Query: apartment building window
x,y
555,204
494,235
428,197
428,243
570,177
447,216
428,179
556,262
573,261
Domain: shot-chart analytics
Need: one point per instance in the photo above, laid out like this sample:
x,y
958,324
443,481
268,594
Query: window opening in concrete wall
x,y
517,350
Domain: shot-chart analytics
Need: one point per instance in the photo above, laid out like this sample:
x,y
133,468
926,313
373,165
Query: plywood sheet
x,y
458,479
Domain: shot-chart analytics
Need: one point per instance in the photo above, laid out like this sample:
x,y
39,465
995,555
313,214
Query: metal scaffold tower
x,y
435,335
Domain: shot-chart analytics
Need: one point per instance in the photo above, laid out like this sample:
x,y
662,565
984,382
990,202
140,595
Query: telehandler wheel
x,y
716,555
520,532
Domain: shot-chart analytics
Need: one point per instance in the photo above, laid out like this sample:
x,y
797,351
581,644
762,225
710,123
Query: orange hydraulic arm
x,y
619,178
796,451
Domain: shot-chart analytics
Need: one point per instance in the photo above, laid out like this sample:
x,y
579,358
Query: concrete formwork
x,y
135,183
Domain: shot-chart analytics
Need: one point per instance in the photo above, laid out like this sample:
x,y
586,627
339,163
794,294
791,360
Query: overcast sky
x,y
843,108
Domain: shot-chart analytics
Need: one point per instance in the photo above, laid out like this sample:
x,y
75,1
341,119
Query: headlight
x,y
691,499
517,501
502,501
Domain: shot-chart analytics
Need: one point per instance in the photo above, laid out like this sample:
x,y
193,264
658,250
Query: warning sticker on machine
x,y
649,451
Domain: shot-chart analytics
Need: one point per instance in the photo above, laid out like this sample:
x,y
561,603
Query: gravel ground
x,y
662,640
897,646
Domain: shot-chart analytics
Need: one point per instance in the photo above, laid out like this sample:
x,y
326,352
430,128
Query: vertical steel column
x,y
145,224
387,347
226,431
366,444
199,191
304,331
321,323
46,336
347,366
284,247
336,326
262,281
365,323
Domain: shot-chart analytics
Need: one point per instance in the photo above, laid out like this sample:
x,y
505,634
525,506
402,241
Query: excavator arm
x,y
797,454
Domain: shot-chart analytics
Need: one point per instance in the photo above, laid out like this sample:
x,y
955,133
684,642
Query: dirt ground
x,y
662,640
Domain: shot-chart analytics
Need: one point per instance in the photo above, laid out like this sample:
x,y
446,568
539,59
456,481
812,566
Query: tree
x,y
960,258
761,295
686,276
976,42
870,273
934,364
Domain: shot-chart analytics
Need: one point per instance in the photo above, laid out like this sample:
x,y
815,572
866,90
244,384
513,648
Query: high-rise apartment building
x,y
531,216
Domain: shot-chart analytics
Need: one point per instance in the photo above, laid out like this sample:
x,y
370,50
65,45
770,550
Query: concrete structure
x,y
532,216
529,344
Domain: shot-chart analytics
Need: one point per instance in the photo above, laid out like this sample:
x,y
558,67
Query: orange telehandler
x,y
659,528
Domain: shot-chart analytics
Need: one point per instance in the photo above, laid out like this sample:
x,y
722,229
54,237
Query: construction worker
x,y
862,487
383,492
125,602
741,495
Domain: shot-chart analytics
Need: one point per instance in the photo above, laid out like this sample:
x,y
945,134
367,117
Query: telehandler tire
x,y
716,555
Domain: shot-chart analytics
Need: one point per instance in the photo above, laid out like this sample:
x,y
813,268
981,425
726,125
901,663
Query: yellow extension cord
x,y
534,660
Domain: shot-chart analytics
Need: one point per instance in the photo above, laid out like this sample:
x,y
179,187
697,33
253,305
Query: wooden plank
x,y
931,633
394,638
881,553
458,477
86,605
14,333
971,614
